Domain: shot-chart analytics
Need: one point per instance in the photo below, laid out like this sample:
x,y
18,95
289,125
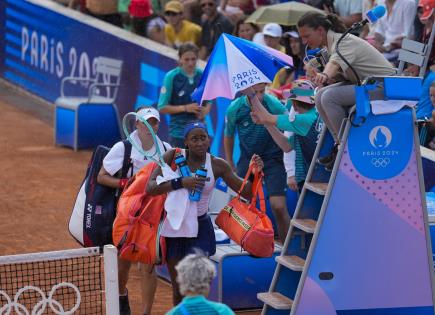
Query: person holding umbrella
x,y
175,98
362,61
255,139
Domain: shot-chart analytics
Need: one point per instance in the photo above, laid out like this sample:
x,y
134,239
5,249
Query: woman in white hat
x,y
108,176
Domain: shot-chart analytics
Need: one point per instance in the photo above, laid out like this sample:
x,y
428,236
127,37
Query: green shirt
x,y
253,138
176,90
199,305
303,141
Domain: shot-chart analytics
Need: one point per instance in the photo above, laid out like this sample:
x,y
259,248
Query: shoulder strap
x,y
126,162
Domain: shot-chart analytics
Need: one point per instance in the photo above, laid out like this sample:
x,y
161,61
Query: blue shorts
x,y
179,247
275,176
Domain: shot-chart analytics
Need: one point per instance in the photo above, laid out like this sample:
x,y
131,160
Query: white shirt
x,y
398,22
112,163
347,7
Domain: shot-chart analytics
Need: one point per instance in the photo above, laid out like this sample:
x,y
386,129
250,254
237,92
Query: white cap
x,y
147,113
292,34
272,29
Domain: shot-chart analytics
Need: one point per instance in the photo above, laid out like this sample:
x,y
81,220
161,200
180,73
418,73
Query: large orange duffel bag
x,y
136,230
245,224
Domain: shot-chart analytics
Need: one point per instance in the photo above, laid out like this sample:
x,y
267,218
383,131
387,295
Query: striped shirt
x,y
253,138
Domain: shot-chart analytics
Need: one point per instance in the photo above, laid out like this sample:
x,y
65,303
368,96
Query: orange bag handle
x,y
257,190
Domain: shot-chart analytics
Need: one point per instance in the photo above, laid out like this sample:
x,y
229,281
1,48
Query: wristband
x,y
176,183
123,182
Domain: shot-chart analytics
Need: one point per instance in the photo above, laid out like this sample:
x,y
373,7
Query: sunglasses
x,y
207,4
170,13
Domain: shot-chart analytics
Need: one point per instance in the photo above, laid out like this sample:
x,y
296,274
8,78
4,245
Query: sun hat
x,y
301,90
272,29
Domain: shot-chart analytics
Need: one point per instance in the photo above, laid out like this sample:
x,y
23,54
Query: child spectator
x,y
302,124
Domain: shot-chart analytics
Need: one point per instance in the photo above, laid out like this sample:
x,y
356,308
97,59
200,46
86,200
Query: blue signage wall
x,y
42,43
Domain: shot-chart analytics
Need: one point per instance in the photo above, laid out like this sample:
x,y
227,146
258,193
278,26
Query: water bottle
x,y
181,162
195,194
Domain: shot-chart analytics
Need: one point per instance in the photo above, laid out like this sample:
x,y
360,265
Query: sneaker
x,y
124,305
330,158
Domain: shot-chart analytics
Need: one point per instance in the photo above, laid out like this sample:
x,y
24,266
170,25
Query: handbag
x,y
246,225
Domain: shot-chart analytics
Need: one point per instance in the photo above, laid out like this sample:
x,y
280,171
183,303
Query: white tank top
x,y
208,188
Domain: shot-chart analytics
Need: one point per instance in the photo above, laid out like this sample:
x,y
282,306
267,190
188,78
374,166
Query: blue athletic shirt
x,y
253,138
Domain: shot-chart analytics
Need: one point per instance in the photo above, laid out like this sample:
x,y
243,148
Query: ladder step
x,y
306,225
275,300
318,188
294,263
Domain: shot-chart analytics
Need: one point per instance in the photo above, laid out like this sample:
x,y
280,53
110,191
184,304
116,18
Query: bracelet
x,y
177,183
123,182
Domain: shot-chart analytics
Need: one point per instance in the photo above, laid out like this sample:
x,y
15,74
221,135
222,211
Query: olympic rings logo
x,y
380,162
40,307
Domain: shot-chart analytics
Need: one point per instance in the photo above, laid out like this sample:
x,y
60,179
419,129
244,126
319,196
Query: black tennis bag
x,y
95,207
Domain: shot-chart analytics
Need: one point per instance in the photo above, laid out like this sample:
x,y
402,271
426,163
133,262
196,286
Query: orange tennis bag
x,y
136,230
245,224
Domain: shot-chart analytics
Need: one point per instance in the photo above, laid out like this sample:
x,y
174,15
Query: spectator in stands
x,y
245,29
394,27
175,98
295,49
155,28
348,10
80,4
368,32
272,33
254,139
214,24
105,10
194,275
179,30
108,176
303,124
332,102
426,16
139,11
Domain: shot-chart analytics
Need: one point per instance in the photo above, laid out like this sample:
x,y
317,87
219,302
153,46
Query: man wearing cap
x,y
396,25
179,30
255,139
214,24
112,164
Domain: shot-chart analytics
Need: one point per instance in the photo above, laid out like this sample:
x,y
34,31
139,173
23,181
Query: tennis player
x,y
181,242
112,164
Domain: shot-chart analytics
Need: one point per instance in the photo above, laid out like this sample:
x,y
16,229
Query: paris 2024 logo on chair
x,y
381,148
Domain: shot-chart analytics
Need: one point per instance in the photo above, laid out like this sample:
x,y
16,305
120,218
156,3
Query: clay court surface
x,y
39,183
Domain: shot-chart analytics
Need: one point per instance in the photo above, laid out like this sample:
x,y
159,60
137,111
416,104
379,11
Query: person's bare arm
x,y
104,178
229,148
193,108
280,139
223,170
186,182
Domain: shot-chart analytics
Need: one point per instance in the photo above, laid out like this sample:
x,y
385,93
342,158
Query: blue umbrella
x,y
236,64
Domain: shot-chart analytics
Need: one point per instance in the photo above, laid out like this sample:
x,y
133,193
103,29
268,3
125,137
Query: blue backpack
x,y
94,211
